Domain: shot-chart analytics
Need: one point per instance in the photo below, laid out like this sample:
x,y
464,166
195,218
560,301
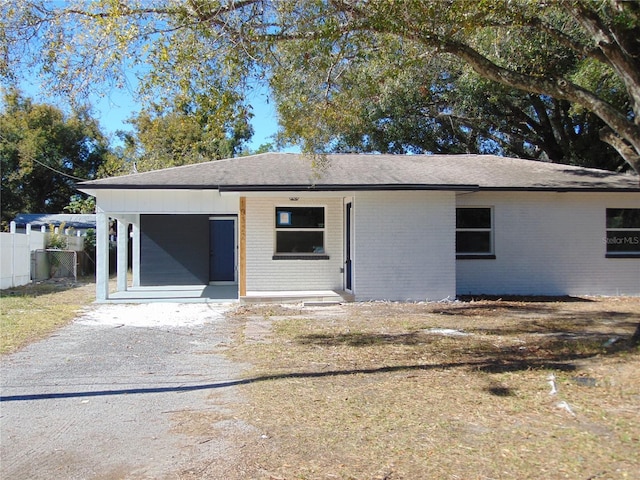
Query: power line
x,y
58,171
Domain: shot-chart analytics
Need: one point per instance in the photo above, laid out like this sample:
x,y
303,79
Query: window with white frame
x,y
300,230
474,232
623,232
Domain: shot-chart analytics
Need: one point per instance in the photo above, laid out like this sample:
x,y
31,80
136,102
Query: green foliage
x,y
188,131
90,241
443,108
337,68
43,153
56,240
371,91
80,204
262,148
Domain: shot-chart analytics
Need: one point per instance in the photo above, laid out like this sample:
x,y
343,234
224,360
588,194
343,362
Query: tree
x,y
188,131
43,152
524,45
81,204
442,108
568,58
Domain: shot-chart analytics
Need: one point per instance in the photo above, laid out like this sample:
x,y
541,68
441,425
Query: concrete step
x,y
307,297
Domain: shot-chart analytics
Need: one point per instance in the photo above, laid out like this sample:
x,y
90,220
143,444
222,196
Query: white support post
x,y
102,256
135,254
122,254
12,230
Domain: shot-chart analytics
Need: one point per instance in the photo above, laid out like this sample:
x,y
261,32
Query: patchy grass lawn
x,y
457,390
33,311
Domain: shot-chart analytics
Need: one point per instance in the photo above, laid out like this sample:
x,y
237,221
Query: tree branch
x,y
622,58
625,150
557,88
566,40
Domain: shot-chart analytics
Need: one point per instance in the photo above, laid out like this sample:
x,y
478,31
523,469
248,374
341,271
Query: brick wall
x,y
404,245
266,274
549,244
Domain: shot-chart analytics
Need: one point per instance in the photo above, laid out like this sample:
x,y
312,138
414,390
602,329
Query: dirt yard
x,y
462,390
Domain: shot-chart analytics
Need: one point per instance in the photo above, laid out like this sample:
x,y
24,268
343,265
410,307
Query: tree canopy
x,y
565,66
43,153
188,131
443,108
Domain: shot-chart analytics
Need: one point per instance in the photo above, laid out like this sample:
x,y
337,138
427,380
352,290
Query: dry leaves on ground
x,y
441,390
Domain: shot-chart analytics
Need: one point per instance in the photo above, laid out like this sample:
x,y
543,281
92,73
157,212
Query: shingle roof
x,y
292,172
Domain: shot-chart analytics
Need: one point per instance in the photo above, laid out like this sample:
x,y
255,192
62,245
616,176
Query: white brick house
x,y
378,227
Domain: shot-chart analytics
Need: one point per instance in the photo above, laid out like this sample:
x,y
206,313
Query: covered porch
x,y
175,274
128,288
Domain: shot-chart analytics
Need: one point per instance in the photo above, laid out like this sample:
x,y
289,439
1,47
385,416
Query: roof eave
x,y
344,187
559,189
92,188
84,187
278,188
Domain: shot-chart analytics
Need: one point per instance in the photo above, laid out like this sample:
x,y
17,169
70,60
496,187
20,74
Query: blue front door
x,y
222,250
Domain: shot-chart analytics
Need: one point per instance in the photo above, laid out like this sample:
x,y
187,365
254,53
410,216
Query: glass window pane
x,y
300,217
622,241
299,242
623,217
473,242
473,218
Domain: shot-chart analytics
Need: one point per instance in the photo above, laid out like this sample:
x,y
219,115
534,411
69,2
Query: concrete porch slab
x,y
177,294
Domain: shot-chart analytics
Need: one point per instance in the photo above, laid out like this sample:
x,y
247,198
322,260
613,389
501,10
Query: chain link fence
x,y
63,263
53,263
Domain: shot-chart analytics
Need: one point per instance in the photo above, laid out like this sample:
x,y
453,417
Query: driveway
x,y
117,393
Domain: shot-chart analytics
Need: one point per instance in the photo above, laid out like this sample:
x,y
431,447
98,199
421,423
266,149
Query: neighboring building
x,y
76,221
379,227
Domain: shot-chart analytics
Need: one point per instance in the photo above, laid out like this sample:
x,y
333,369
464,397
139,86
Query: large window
x,y
623,232
300,231
474,232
